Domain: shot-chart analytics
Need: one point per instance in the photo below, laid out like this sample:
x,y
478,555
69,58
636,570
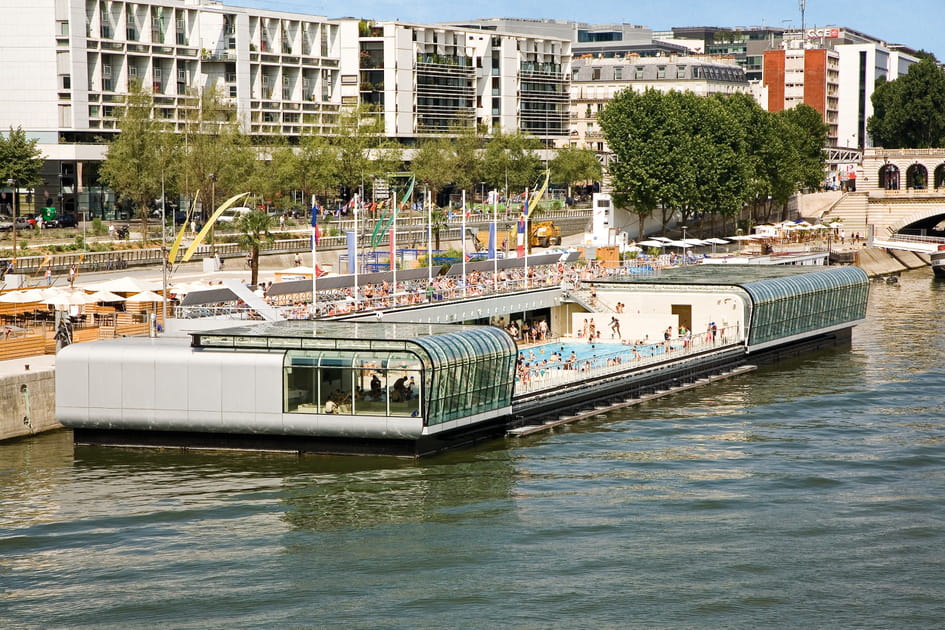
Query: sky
x,y
916,23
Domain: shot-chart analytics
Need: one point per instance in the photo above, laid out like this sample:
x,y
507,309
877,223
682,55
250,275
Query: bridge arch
x,y
924,220
939,176
917,177
889,177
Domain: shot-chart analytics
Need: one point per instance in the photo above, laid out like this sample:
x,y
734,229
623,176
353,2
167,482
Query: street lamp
x,y
213,200
683,232
13,183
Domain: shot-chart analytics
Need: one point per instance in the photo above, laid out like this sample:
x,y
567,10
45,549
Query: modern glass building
x,y
788,306
437,373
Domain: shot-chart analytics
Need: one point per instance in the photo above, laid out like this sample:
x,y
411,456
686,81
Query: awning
x,y
210,296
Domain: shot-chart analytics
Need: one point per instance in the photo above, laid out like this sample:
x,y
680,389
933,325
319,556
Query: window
x,y
680,72
661,72
638,73
618,73
232,91
595,74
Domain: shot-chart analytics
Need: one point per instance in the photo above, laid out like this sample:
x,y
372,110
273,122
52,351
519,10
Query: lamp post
x,y
13,183
163,254
683,227
213,201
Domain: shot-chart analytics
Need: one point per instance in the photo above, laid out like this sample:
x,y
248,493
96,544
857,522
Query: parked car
x,y
232,214
6,224
64,221
25,223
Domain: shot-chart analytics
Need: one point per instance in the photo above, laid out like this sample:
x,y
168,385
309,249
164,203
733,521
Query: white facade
x,y
281,70
861,65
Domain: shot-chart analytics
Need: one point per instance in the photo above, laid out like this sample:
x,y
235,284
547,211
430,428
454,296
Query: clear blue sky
x,y
915,23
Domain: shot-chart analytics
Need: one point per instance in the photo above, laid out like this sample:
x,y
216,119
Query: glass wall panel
x,y
797,304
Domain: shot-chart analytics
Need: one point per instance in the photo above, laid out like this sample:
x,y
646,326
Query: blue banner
x,y
492,231
352,241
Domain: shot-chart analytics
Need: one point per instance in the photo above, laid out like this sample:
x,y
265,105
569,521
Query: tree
x,y
129,164
572,164
254,230
467,146
510,161
640,130
316,166
435,163
20,161
363,151
217,155
909,113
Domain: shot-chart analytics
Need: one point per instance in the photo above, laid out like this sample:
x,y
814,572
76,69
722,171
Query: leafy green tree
x,y
510,161
255,229
435,163
218,159
909,113
129,164
467,145
642,132
316,167
20,161
363,151
572,164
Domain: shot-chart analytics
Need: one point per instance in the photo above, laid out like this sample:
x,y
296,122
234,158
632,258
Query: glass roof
x,y
824,280
445,342
721,274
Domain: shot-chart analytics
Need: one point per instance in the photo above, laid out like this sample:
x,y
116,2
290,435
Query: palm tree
x,y
254,230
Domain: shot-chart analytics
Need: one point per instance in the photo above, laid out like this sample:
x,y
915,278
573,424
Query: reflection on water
x,y
806,491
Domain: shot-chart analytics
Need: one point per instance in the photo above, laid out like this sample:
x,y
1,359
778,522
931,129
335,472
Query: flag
x,y
520,244
316,233
537,195
492,239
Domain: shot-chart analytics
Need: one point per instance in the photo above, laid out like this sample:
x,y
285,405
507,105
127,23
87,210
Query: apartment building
x,y
431,79
69,63
595,81
811,76
834,70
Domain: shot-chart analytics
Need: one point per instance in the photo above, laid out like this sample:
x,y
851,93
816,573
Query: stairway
x,y
852,210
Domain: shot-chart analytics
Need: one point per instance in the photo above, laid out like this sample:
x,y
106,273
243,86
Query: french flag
x,y
316,233
520,245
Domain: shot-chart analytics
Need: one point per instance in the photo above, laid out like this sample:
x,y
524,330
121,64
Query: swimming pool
x,y
596,353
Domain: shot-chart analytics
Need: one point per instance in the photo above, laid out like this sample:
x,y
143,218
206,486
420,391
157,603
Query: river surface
x,y
809,494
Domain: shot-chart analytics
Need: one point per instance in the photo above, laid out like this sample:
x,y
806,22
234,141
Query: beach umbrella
x,y
653,243
145,296
69,298
23,297
661,238
106,296
126,284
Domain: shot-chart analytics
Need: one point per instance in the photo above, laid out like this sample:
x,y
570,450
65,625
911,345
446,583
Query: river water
x,y
806,494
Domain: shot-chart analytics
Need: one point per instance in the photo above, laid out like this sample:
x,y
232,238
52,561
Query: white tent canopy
x,y
145,296
125,284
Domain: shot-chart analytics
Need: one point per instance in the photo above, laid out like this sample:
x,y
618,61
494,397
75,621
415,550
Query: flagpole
x,y
314,259
393,247
495,241
357,202
464,243
429,201
527,239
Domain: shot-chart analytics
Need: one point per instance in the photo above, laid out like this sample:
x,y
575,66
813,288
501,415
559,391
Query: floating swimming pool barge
x,y
416,389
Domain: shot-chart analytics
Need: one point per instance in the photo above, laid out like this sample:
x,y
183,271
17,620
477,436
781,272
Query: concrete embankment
x,y
27,396
880,262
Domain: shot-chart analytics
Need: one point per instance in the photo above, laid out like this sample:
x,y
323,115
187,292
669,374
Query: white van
x,y
232,214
